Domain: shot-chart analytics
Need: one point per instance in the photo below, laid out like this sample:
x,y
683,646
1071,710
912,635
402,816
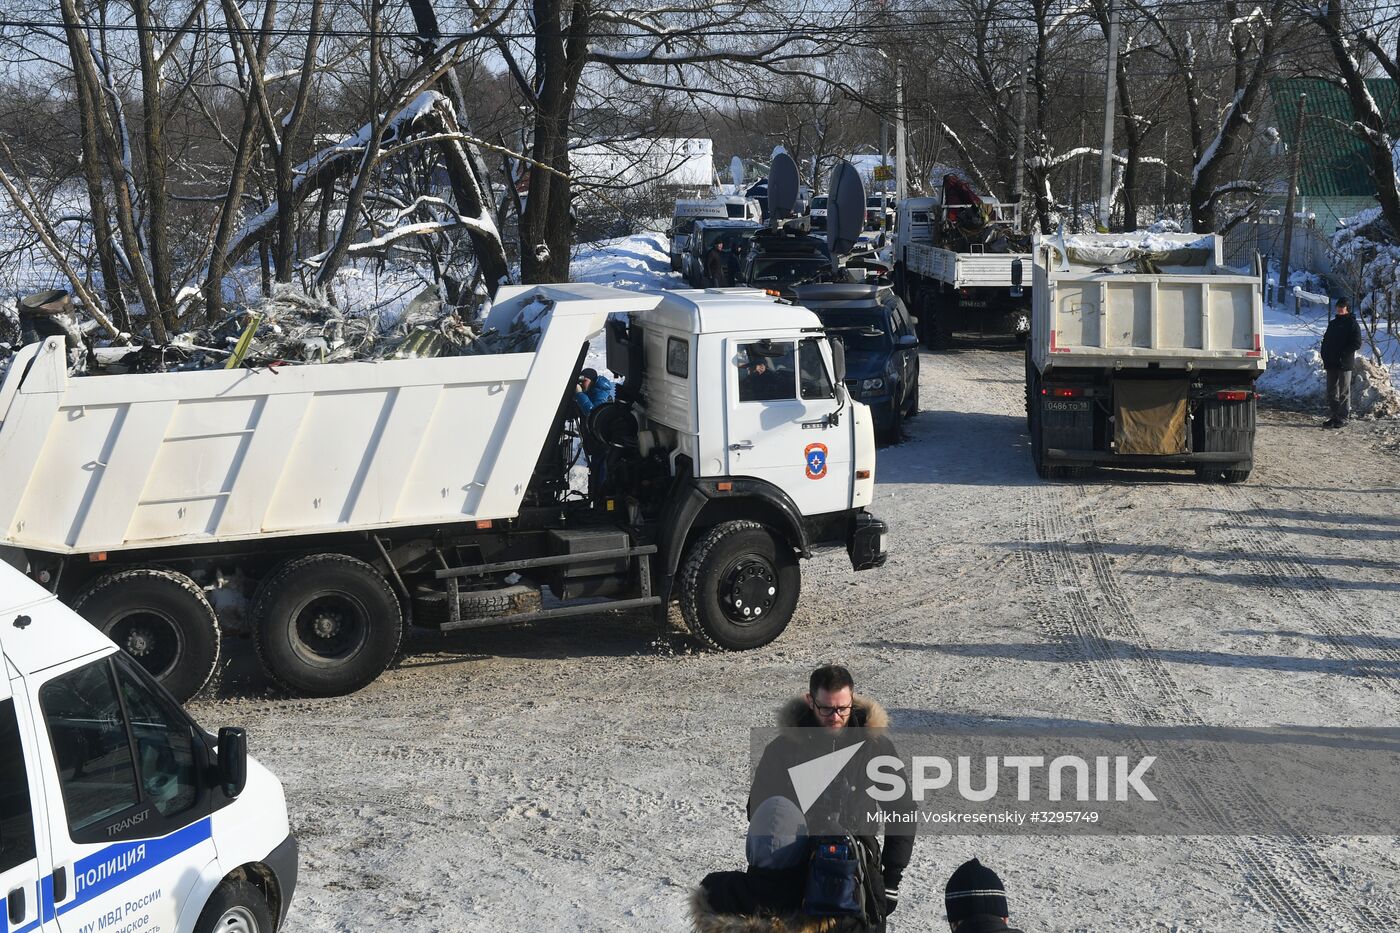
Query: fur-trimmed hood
x,y
865,714
703,919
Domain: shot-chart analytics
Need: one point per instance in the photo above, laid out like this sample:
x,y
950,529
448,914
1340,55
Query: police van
x,y
118,813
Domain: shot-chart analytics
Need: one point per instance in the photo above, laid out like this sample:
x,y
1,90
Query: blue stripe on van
x,y
117,864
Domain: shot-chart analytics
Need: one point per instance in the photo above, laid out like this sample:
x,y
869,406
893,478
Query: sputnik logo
x,y
811,778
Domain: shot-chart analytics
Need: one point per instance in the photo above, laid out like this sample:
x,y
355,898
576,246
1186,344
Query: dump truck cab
x,y
117,811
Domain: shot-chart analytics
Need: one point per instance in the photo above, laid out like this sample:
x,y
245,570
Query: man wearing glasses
x,y
845,718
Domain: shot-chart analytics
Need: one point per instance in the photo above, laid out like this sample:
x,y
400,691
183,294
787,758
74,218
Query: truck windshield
x,y
854,328
786,270
818,204
682,226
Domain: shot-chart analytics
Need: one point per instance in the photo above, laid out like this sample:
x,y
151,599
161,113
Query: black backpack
x,y
842,874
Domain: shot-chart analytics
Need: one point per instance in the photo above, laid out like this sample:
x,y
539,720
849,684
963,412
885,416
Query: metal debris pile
x,y
289,328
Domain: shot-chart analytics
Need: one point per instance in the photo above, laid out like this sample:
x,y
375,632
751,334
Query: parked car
x,y
706,233
816,210
882,348
779,259
876,206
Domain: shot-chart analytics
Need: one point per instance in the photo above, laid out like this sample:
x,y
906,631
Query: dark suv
x,y
781,259
882,348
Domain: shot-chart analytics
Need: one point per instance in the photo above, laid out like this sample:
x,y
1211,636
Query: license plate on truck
x,y
1053,404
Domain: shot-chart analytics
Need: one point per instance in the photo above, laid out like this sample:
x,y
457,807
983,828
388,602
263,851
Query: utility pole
x,y
1294,164
884,173
1110,100
1018,194
901,142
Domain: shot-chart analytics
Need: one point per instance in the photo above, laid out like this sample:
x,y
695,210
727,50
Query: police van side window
x,y
90,744
165,757
16,813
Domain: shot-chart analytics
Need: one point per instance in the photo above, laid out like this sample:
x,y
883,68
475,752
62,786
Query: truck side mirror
x,y
233,760
838,360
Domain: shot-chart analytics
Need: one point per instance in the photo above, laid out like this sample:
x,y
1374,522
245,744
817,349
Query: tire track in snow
x,y
1282,875
1291,578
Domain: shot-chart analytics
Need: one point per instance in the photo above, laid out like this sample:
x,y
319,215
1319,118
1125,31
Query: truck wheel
x,y
739,586
327,625
162,619
235,907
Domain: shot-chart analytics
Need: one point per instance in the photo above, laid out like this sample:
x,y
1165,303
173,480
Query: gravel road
x,y
584,774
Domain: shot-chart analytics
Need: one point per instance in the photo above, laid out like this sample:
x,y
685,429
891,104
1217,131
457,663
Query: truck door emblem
x,y
816,461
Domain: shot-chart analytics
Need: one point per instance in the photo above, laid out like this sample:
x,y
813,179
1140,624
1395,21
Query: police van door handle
x,y
16,901
60,884
741,445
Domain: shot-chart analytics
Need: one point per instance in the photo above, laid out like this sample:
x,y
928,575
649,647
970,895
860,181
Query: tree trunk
x,y
97,200
157,196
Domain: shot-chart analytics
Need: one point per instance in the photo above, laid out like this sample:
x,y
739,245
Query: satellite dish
x,y
736,172
782,186
845,209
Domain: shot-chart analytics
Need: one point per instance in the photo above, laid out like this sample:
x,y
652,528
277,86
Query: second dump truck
x,y
356,498
1143,352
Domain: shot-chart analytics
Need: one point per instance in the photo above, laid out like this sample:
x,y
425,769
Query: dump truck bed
x,y
99,463
1209,317
962,270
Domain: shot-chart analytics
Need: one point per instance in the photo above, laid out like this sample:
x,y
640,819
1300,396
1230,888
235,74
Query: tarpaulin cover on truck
x,y
1150,416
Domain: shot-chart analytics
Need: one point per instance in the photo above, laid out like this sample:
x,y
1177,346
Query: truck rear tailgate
x,y
1102,319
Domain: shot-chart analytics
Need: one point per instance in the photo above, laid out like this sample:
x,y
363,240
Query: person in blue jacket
x,y
593,390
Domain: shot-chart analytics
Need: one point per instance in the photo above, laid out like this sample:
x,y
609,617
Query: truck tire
x,y
162,619
326,625
235,907
739,586
940,323
1211,473
430,607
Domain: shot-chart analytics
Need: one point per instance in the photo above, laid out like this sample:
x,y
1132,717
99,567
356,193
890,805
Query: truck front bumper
x,y
866,542
283,862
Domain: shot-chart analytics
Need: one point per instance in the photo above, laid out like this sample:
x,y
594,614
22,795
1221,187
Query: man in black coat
x,y
1339,345
821,722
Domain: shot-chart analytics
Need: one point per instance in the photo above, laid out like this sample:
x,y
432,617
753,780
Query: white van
x,y
118,813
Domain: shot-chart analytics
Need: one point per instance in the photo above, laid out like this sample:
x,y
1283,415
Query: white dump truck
x,y
352,497
117,811
1144,350
955,278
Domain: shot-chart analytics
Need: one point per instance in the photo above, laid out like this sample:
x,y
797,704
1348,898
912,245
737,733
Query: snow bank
x,y
1298,376
641,262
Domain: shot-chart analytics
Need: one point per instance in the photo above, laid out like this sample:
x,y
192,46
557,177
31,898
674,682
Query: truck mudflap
x,y
866,544
283,862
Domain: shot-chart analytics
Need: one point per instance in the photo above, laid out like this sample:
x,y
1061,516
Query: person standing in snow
x,y
845,717
1339,345
593,390
976,900
717,264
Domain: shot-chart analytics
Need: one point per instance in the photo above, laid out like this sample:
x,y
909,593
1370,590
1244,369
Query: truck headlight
x,y
871,385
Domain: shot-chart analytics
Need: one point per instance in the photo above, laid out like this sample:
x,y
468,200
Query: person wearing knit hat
x,y
976,900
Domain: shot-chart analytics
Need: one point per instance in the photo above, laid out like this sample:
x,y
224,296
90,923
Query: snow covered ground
x,y
583,775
